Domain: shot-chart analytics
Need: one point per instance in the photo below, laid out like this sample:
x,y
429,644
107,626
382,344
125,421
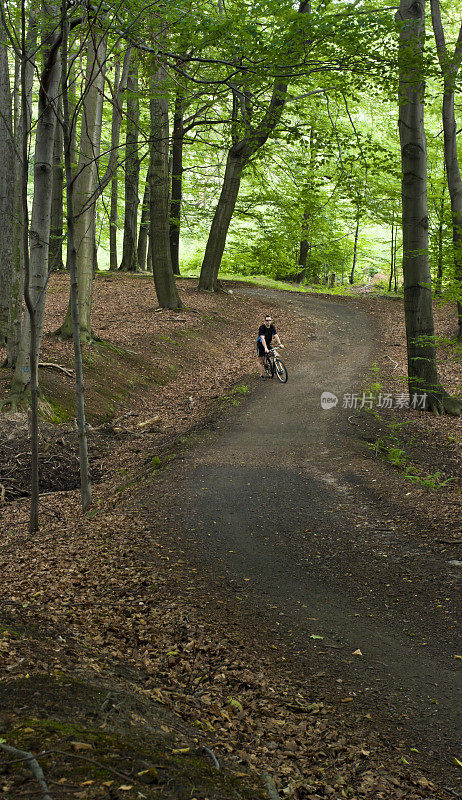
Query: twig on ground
x,y
212,756
96,764
33,765
2,493
393,362
273,793
58,367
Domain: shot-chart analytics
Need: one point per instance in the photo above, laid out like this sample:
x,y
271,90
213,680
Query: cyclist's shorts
x,y
260,349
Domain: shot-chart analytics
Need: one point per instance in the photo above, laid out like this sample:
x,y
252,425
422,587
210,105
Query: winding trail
x,y
279,505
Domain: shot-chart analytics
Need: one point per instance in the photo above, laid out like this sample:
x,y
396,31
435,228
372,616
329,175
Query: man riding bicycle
x,y
265,336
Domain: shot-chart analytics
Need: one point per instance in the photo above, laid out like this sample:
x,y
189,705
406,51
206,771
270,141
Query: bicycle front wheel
x,y
268,367
281,371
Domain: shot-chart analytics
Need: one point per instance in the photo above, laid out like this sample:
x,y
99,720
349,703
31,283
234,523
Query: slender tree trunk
x,y
304,247
85,187
355,252
395,273
392,251
439,268
142,247
164,280
420,332
149,255
56,231
17,279
113,212
6,192
85,480
177,182
450,68
113,220
129,261
25,373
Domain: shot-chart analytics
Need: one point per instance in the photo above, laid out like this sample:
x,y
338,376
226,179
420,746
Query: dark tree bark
x,y
420,332
56,230
450,69
164,280
177,182
6,192
129,261
142,248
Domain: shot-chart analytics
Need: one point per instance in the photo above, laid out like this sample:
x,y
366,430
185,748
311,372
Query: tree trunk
x,y
420,332
177,182
25,373
85,481
164,280
450,68
304,247
439,267
142,248
208,281
85,186
355,252
238,156
129,261
6,192
392,252
17,279
113,212
56,231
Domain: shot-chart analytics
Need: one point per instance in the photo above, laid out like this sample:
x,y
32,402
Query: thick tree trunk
x,y
142,248
85,186
450,68
177,182
208,281
24,373
164,280
56,231
6,192
17,279
420,332
129,261
355,253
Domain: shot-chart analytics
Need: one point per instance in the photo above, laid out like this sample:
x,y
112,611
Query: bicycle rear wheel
x,y
281,371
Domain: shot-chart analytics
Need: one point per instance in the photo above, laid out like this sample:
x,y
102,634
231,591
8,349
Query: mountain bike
x,y
274,366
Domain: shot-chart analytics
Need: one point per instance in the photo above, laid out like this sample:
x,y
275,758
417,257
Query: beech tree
x,y
450,66
420,331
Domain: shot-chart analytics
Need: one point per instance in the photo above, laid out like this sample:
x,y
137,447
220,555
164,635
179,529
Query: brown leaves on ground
x,y
113,598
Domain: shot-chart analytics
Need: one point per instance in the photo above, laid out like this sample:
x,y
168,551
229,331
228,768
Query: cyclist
x,y
265,335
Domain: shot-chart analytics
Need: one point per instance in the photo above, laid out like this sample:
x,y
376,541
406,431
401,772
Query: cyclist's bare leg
x,y
261,369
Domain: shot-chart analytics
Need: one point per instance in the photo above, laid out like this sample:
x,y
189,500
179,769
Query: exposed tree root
x,y
33,765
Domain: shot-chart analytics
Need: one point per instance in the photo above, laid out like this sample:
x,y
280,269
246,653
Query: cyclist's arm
x,y
278,341
262,341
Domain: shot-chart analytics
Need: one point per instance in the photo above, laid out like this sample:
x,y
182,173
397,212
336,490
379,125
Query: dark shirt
x,y
267,333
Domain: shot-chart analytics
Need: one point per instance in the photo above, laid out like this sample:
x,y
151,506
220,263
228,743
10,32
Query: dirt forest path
x,y
277,507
